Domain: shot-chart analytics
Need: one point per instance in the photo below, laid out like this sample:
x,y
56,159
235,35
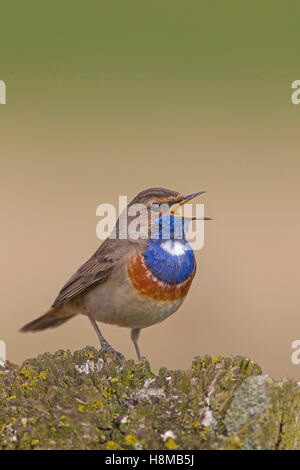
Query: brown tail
x,y
55,316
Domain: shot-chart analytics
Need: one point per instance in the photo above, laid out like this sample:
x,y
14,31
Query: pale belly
x,y
118,302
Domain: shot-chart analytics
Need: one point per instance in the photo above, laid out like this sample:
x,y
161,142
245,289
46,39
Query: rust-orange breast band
x,y
148,285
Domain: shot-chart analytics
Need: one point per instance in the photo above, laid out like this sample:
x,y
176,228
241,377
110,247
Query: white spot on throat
x,y
175,248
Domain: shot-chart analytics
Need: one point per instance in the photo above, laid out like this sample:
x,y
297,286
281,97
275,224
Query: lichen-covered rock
x,y
88,400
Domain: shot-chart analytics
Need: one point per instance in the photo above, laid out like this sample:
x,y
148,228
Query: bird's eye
x,y
155,207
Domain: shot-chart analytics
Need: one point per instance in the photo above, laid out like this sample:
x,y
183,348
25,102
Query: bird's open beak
x,y
177,211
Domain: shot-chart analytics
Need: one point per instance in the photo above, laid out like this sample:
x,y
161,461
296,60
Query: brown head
x,y
151,196
158,202
162,197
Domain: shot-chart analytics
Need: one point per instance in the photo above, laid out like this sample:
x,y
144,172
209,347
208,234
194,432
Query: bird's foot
x,y
107,348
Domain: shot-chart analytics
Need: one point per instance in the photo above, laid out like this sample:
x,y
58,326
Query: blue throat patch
x,y
171,260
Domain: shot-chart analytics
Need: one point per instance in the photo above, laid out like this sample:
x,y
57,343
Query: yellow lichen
x,y
111,445
229,375
205,434
171,444
203,362
95,405
215,360
197,425
130,440
80,408
233,443
27,373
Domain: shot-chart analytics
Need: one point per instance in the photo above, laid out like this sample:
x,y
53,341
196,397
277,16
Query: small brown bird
x,y
131,282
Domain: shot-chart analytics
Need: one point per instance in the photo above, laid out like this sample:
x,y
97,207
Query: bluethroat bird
x,y
132,282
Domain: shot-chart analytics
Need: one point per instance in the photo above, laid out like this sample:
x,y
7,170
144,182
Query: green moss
x,y
87,400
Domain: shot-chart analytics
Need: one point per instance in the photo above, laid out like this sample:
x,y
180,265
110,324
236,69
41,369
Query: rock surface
x,y
88,400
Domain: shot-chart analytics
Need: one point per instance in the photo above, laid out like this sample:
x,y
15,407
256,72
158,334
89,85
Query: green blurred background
x,y
108,98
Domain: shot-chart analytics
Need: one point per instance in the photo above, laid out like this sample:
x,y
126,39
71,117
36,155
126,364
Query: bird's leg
x,y
135,333
106,347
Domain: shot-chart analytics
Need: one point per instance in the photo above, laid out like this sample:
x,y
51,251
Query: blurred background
x,y
108,98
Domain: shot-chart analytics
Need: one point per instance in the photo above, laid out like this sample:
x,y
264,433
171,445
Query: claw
x,y
107,348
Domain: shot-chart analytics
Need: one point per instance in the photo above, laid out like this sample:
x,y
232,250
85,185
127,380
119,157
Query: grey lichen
x,y
248,412
88,400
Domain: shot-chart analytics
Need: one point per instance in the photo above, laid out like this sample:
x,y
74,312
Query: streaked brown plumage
x,y
101,280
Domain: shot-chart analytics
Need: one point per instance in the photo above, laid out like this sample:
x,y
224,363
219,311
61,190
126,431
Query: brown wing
x,y
97,269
